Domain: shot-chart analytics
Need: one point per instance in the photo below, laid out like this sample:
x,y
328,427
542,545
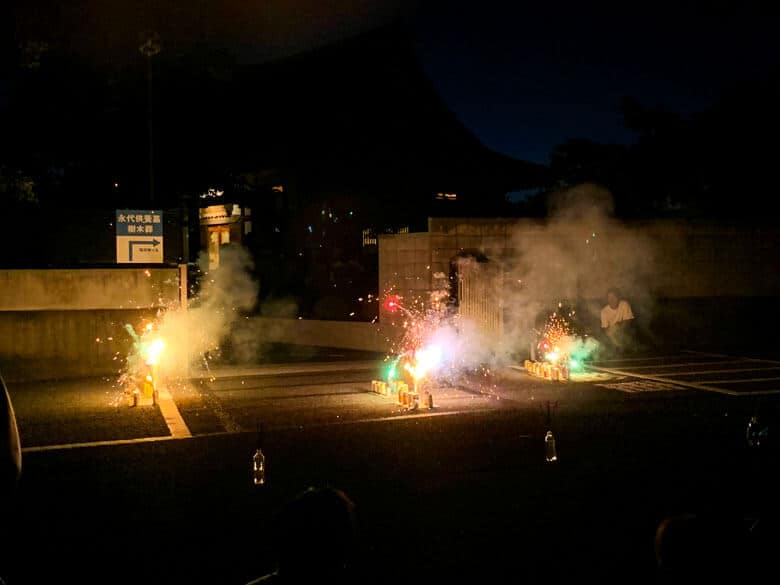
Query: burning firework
x,y
562,348
140,376
431,348
424,361
182,337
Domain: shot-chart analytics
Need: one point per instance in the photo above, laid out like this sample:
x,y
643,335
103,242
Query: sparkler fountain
x,y
428,350
140,377
562,350
166,346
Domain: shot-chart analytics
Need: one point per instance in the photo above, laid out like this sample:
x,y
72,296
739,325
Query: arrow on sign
x,y
132,243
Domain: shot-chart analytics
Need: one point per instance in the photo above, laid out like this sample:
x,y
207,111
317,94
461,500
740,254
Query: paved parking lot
x,y
235,400
635,443
712,372
68,414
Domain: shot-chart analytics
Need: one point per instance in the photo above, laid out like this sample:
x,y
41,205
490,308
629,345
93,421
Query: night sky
x,y
523,78
527,78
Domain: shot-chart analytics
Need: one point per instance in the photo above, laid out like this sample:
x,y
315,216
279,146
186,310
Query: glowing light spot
x,y
153,351
427,359
392,303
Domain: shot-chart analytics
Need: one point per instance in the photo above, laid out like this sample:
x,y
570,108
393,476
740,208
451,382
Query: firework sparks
x,y
563,350
167,345
431,347
153,351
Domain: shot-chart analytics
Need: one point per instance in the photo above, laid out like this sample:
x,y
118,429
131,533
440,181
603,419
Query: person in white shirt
x,y
617,319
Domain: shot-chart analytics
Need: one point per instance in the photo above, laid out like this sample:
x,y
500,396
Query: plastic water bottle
x,y
549,448
258,467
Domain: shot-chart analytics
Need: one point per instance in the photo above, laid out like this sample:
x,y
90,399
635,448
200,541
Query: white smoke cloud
x,y
573,257
225,294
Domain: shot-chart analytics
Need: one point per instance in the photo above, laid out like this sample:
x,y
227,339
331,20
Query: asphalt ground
x,y
460,492
79,411
735,375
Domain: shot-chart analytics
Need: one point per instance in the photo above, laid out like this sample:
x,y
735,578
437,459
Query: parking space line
x,y
644,359
689,364
750,359
728,371
96,444
642,386
397,417
693,385
738,381
172,416
115,442
669,374
391,418
723,355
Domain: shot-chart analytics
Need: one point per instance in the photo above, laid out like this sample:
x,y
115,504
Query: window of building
x,y
369,238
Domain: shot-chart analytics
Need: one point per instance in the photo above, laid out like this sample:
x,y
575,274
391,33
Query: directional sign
x,y
139,236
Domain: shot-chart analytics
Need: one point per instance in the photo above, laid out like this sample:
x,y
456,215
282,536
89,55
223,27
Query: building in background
x,y
329,149
339,146
221,225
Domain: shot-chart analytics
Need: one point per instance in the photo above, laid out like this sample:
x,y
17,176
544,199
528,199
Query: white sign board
x,y
139,236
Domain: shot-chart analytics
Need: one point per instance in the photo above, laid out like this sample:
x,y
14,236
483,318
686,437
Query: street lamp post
x,y
149,47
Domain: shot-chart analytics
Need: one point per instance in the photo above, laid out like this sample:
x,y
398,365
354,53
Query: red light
x,y
392,303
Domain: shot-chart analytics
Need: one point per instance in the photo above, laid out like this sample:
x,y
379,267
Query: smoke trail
x,y
573,258
227,292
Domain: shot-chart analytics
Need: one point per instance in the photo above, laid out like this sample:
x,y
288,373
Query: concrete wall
x,y
699,260
682,260
343,334
44,345
405,263
79,289
693,281
64,323
70,323
449,237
